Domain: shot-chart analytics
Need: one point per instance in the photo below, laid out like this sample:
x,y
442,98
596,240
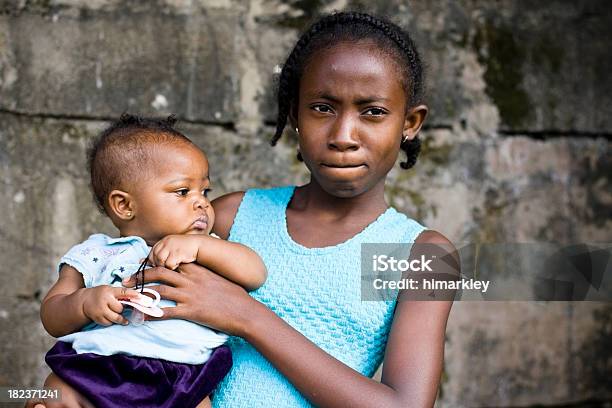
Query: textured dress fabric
x,y
315,290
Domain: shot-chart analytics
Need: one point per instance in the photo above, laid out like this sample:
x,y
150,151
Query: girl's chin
x,y
343,188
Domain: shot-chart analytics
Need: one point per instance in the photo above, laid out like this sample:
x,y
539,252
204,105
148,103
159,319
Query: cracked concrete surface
x,y
516,149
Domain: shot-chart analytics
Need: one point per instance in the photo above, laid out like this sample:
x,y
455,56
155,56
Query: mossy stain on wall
x,y
503,58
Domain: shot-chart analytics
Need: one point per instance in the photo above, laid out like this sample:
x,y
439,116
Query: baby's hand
x,y
173,250
101,304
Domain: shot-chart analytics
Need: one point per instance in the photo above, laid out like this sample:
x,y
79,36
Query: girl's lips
x,y
344,172
342,166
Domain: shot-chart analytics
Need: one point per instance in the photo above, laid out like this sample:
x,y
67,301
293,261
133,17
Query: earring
x,y
404,139
299,154
129,214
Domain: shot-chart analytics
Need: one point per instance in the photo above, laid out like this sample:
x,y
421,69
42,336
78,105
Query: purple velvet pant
x,y
126,381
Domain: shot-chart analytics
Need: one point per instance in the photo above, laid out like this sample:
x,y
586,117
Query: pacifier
x,y
143,305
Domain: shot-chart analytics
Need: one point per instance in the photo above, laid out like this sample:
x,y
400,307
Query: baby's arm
x,y
69,305
234,261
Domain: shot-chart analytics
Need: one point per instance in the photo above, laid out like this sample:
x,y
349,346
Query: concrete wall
x,y
516,149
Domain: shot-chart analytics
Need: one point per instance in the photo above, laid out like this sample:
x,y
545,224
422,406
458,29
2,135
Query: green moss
x,y
74,132
418,201
489,219
436,154
596,177
463,41
450,107
595,354
503,59
547,54
310,9
43,7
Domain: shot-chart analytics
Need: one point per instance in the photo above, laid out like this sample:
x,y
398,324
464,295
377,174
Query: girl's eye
x,y
182,192
206,191
375,112
322,108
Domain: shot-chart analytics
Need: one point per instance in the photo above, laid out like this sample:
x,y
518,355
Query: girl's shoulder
x,y
226,207
432,237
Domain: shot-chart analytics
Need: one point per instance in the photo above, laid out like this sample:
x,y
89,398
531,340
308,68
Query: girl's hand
x,y
173,250
101,304
203,297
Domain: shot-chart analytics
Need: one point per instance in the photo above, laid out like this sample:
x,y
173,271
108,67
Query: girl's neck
x,y
313,199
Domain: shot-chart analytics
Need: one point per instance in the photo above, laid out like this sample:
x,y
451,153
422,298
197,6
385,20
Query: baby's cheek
x,y
211,218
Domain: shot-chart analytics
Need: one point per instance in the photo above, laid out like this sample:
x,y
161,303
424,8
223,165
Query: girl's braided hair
x,y
352,27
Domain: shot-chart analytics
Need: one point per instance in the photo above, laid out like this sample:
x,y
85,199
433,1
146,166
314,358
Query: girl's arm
x,y
69,305
412,365
413,358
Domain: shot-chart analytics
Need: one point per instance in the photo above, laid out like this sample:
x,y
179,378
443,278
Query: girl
x,y
153,183
352,89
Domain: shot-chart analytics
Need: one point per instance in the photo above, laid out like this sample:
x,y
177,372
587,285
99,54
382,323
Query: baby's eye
x,y
182,192
206,191
375,112
322,108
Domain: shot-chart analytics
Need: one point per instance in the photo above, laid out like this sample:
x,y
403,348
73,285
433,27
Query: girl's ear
x,y
121,205
413,122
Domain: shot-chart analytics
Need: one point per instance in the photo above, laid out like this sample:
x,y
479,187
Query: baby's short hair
x,y
122,152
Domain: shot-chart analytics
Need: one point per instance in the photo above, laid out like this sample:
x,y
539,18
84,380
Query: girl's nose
x,y
344,135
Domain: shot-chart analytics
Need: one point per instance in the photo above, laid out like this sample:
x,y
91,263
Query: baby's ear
x,y
121,205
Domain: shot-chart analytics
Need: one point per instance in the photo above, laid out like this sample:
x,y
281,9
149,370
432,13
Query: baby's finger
x,y
173,262
115,318
125,293
151,259
103,321
161,255
116,306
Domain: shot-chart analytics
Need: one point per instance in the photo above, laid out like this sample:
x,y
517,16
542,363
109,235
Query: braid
x,y
412,149
351,26
289,78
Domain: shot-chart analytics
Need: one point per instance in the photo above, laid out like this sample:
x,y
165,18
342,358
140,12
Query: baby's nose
x,y
201,202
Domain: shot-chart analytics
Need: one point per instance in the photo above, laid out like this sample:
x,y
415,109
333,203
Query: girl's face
x,y
351,117
174,200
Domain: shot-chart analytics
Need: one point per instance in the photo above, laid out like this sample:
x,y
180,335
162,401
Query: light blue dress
x,y
315,290
103,260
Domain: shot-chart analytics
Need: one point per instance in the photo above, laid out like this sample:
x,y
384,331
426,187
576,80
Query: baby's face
x,y
174,200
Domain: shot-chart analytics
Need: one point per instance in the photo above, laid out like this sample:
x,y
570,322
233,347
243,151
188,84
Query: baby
x,y
153,183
